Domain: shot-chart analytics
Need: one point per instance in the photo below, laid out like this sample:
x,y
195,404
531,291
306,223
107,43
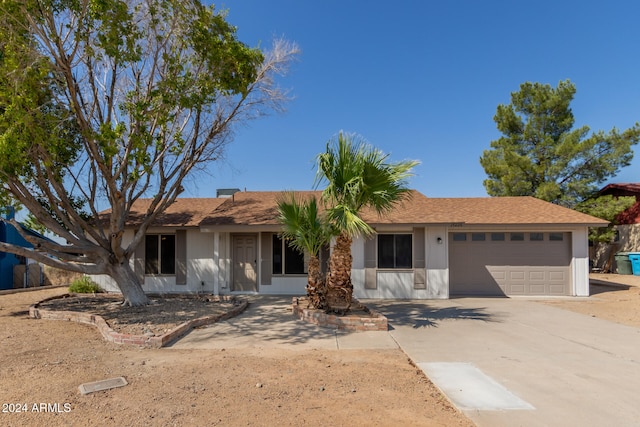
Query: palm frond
x,y
303,227
358,175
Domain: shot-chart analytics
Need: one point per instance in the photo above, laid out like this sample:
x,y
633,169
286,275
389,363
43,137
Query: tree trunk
x,y
339,286
316,287
128,284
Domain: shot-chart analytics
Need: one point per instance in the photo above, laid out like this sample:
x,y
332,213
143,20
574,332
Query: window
x,y
478,237
497,237
556,237
286,260
160,254
459,237
395,251
517,237
536,237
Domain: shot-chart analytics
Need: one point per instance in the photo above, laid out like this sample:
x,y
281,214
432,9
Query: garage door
x,y
522,263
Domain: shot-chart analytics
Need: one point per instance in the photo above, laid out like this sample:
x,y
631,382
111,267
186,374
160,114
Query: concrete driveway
x,y
516,362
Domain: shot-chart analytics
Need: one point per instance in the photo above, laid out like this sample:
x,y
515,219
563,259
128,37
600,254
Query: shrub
x,y
84,285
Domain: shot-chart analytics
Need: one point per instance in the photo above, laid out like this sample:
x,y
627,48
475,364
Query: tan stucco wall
x,y
603,255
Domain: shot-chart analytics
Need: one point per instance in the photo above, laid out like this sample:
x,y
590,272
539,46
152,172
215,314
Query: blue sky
x,y
422,80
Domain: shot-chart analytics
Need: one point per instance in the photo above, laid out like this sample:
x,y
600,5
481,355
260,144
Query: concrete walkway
x,y
269,322
562,368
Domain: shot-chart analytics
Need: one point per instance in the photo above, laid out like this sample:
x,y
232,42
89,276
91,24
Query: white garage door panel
x,y
510,267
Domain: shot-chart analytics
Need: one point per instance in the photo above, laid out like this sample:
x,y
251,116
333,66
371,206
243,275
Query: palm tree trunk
x,y
316,289
339,286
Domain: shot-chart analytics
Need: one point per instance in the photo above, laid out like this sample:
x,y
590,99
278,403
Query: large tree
x,y
608,208
103,102
357,176
541,155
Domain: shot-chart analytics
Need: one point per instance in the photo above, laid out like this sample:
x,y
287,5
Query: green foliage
x,y
303,227
541,155
607,208
32,223
84,285
48,117
359,176
103,102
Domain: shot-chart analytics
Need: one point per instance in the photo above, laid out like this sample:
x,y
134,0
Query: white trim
x,y
580,261
216,263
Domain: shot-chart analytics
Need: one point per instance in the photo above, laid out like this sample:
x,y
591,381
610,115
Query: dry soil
x,y
42,363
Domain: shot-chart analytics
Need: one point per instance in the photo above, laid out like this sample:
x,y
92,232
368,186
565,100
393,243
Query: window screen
x,y
395,251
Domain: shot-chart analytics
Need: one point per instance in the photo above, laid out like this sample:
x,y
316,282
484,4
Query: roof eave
x,y
241,228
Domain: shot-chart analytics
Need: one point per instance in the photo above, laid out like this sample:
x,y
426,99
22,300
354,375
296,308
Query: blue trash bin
x,y
634,257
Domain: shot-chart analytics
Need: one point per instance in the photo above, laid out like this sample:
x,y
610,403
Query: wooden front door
x,y
245,257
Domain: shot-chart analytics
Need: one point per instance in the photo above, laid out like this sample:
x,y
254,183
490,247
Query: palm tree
x,y
305,230
357,176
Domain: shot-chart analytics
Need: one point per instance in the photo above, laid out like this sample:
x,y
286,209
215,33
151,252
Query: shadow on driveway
x,y
423,313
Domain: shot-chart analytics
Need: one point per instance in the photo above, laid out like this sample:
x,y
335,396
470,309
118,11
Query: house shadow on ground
x,y
596,288
424,314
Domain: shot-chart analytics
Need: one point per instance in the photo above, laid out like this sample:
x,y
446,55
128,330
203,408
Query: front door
x,y
244,263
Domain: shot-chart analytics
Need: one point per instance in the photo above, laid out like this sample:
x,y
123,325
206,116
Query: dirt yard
x,y
42,363
619,301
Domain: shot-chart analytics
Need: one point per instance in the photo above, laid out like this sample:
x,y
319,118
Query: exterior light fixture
x,y
439,240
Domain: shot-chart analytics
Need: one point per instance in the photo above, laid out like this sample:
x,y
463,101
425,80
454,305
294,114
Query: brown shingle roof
x,y
250,208
184,212
259,208
493,211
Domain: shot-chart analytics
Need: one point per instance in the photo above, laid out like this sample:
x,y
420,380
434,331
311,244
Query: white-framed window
x,y
395,251
160,254
286,260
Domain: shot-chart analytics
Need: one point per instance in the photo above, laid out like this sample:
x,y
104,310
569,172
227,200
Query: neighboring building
x,y
628,227
631,216
8,234
425,248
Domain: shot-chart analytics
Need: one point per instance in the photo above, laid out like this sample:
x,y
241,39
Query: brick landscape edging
x,y
374,322
128,339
